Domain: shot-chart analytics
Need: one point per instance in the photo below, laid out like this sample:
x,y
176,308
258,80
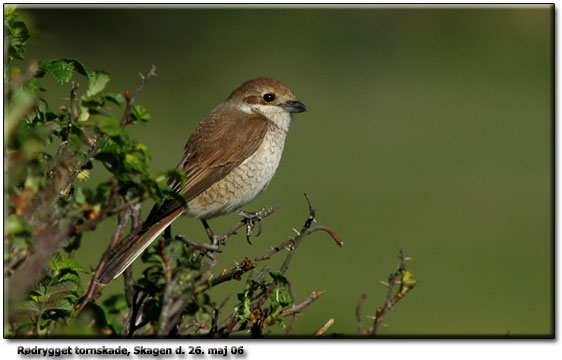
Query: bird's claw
x,y
251,219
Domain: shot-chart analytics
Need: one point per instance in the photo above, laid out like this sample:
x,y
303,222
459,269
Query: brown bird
x,y
228,161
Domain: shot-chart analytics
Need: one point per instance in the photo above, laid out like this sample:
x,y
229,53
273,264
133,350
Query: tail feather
x,y
134,248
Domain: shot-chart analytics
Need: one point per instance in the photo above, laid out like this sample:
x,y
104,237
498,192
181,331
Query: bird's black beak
x,y
294,106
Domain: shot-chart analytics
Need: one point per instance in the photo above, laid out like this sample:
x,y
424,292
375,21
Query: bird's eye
x,y
269,97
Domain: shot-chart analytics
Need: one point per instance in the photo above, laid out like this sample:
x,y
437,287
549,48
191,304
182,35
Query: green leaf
x,y
279,278
63,69
106,124
98,81
115,98
15,225
134,163
140,113
61,261
79,195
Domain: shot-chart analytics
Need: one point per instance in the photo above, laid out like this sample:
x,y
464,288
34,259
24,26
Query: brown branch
x,y
130,324
296,308
129,284
168,299
217,312
306,230
323,329
358,314
135,211
123,220
73,109
327,230
132,99
198,246
236,273
294,317
390,300
263,213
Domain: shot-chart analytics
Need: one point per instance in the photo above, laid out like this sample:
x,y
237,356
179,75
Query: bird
x,y
228,161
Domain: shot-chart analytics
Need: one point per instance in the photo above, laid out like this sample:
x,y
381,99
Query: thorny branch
x,y
296,241
400,276
230,325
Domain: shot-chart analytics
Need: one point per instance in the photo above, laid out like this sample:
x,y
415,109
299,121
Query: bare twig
x,y
168,299
323,329
135,211
129,282
217,311
296,308
358,314
306,230
236,273
294,317
263,213
198,246
402,277
131,320
132,99
117,235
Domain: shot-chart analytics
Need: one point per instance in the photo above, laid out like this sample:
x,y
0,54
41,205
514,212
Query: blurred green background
x,y
430,129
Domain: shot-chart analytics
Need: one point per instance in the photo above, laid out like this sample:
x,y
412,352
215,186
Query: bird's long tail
x,y
134,248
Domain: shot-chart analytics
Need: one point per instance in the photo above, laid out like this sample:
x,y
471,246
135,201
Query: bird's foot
x,y
215,239
251,219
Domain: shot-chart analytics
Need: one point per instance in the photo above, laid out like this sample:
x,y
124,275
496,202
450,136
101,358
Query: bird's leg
x,y
215,239
251,219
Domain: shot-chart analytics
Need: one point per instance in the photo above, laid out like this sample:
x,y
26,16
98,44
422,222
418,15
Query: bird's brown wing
x,y
221,142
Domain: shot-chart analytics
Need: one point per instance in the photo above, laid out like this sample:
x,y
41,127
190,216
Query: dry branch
x,y
407,283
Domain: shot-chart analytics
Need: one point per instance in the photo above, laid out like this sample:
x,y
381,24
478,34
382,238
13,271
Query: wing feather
x,y
222,141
